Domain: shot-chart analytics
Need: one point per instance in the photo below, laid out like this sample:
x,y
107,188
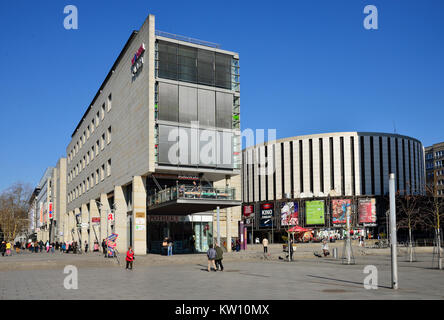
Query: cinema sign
x,y
137,60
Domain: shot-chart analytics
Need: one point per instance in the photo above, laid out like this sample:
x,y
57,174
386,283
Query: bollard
x,y
335,253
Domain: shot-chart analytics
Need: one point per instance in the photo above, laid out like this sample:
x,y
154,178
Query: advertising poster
x,y
289,214
267,213
339,210
367,211
111,244
314,212
248,211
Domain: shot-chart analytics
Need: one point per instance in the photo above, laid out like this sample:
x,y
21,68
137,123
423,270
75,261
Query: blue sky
x,y
306,67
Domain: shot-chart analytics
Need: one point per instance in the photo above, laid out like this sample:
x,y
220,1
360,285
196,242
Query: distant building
x,y
434,160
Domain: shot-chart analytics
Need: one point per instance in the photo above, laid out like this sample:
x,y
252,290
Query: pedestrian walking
x,y
129,258
211,254
3,248
104,247
86,246
170,247
325,248
52,247
96,246
265,244
219,257
8,248
47,246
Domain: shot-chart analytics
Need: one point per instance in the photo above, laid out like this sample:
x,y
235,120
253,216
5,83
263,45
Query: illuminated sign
x,y
137,60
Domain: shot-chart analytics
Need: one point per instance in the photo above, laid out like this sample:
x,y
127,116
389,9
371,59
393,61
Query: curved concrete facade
x,y
332,164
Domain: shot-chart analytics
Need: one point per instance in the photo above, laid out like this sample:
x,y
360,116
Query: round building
x,y
313,180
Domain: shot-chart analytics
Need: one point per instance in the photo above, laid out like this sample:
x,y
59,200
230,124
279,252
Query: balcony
x,y
184,200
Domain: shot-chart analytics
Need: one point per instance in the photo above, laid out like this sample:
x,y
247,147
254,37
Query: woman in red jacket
x,y
129,258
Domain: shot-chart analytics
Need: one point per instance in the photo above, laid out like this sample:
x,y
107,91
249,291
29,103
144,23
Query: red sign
x,y
248,210
367,211
138,54
110,216
95,219
50,210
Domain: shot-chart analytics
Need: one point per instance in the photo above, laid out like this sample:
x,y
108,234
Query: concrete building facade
x,y
131,164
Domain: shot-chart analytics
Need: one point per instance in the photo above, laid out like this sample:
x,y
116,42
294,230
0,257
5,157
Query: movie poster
x,y
289,214
367,211
339,210
314,212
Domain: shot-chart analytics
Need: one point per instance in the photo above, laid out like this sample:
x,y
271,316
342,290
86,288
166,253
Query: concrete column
x,y
105,225
139,216
120,219
85,219
228,226
94,227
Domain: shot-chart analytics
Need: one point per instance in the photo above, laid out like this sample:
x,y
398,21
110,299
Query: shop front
x,y
189,233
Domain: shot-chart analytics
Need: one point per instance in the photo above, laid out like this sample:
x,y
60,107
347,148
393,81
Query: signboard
x,y
111,244
50,210
140,227
314,212
137,60
367,211
339,210
41,212
95,219
267,213
289,214
248,211
110,216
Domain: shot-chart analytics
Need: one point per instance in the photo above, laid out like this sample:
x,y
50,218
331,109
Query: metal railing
x,y
191,193
187,39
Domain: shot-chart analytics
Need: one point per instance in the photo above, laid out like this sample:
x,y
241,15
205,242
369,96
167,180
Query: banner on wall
x,y
367,212
111,244
289,214
267,213
314,212
339,210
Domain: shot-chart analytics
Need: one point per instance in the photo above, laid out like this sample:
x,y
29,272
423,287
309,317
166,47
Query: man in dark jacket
x,y
219,254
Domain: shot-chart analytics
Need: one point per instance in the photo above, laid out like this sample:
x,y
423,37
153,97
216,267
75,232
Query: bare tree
x,y
433,215
409,217
14,210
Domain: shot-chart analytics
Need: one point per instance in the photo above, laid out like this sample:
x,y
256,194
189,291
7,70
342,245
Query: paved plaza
x,y
247,275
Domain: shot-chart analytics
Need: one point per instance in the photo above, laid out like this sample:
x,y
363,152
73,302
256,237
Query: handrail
x,y
187,39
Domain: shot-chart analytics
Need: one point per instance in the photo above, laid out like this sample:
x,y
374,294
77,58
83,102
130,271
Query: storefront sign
x,y
267,213
314,212
137,60
248,211
339,210
140,227
289,214
110,216
95,219
50,210
140,221
367,211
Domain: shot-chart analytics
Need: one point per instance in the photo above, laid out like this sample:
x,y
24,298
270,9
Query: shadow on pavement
x,y
346,281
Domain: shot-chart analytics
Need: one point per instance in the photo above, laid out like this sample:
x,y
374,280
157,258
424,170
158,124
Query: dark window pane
x,y
205,65
187,60
223,71
167,60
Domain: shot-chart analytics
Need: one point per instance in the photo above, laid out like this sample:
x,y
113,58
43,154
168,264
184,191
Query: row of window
x,y
95,178
95,122
438,154
90,155
402,158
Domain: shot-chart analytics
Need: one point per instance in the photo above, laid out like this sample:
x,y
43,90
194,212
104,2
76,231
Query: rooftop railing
x,y
187,39
191,193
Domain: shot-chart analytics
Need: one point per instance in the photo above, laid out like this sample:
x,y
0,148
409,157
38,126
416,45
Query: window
x,y
87,133
109,102
97,147
108,168
97,118
92,180
84,137
92,125
87,184
102,142
102,172
87,158
102,113
92,153
97,176
84,162
108,140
